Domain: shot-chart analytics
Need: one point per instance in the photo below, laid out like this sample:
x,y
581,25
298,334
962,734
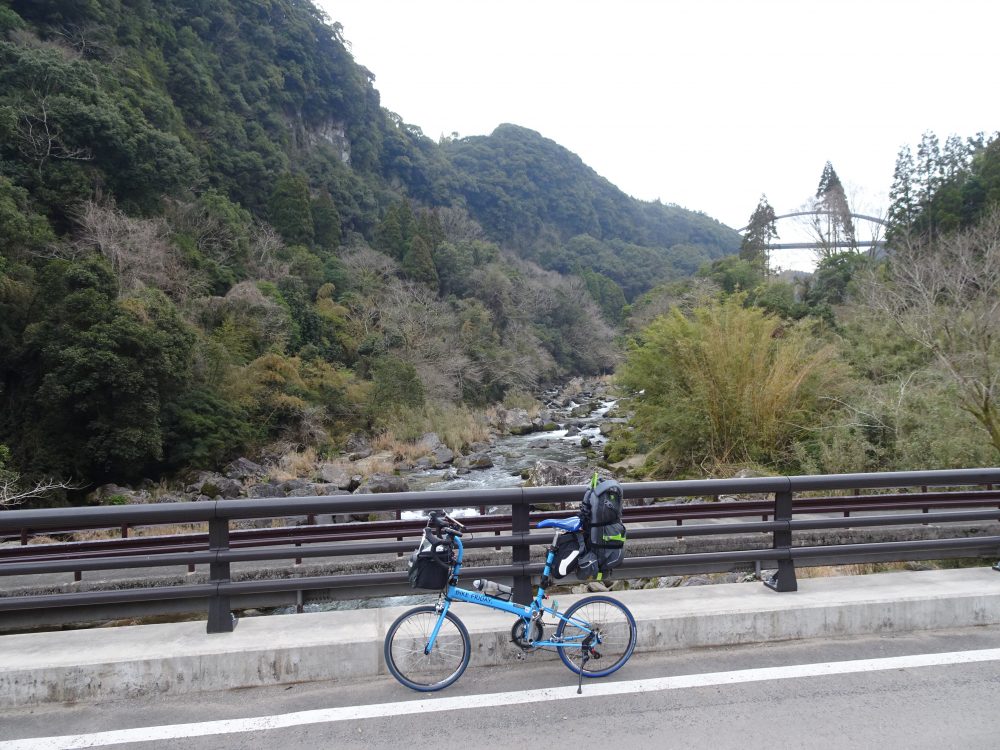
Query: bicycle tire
x,y
616,629
404,649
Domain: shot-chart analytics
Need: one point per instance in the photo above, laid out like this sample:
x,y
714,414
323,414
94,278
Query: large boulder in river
x,y
475,461
440,453
243,469
378,483
213,485
513,421
341,475
555,474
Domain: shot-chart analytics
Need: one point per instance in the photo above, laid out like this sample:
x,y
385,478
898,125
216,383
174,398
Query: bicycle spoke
x,y
407,641
604,628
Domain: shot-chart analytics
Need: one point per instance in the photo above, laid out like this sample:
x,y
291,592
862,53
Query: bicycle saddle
x,y
566,524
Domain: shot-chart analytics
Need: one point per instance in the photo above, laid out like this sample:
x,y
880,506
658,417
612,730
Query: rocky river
x,y
559,443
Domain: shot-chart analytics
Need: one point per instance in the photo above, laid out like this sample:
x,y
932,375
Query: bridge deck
x,y
112,663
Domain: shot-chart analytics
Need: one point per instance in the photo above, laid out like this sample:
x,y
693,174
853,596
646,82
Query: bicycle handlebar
x,y
444,524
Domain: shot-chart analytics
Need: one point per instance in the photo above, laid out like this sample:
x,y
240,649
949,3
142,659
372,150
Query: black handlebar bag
x,y
430,565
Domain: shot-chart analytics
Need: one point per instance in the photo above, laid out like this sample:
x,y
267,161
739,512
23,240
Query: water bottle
x,y
491,588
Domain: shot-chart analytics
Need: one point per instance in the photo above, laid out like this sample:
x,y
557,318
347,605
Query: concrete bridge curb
x,y
116,663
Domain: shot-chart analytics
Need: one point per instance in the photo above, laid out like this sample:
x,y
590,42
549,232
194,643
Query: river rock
x,y
513,421
474,461
337,474
103,494
356,442
169,497
317,489
555,474
264,489
440,454
429,442
378,483
632,462
214,485
243,468
290,485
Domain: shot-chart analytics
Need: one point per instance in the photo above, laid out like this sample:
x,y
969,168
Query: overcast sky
x,y
703,103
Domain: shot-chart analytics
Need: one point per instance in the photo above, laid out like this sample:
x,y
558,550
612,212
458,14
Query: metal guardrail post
x,y
784,579
220,616
521,553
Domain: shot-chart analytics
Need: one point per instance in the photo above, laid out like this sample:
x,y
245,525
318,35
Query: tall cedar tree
x,y
830,197
761,231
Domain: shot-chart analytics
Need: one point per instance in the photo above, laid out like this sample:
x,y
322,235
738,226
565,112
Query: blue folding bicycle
x,y
427,648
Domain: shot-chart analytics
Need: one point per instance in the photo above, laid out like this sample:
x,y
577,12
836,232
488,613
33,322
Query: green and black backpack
x,y
602,531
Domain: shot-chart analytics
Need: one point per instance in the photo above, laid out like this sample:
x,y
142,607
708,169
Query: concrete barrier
x,y
114,663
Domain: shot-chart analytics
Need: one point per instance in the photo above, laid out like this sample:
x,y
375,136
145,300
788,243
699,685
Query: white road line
x,y
457,703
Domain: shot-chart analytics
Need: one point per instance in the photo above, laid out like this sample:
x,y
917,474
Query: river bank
x,y
559,440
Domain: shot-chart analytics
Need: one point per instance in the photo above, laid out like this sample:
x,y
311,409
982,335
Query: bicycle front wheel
x,y
601,626
406,653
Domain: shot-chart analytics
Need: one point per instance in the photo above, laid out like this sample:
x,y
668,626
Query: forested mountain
x,y
523,187
214,239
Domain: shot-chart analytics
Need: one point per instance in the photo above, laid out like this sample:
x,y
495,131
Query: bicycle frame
x,y
529,613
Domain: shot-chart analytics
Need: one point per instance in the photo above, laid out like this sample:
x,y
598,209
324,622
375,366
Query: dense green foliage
x,y
213,238
944,189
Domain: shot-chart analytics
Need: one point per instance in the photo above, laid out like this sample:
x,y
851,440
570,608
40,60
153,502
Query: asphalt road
x,y
872,692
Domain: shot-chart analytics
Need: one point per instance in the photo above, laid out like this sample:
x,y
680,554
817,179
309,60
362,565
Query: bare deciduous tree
x,y
369,269
264,260
139,250
944,294
14,492
458,225
216,238
428,335
39,135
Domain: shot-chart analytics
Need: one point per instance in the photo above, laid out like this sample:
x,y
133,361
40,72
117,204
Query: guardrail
x,y
223,546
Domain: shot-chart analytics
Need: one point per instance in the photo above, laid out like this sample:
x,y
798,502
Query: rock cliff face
x,y
334,133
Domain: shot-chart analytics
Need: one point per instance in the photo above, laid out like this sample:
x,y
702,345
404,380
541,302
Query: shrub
x,y
729,384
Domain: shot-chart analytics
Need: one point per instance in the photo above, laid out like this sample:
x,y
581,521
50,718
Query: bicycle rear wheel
x,y
612,643
406,655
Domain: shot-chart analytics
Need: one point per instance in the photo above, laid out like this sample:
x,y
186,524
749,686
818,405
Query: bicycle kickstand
x,y
583,664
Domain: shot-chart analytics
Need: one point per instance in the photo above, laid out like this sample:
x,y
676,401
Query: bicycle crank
x,y
518,634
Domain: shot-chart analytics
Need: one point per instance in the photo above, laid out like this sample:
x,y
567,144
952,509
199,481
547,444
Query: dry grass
x,y
522,400
454,425
401,450
379,463
294,464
